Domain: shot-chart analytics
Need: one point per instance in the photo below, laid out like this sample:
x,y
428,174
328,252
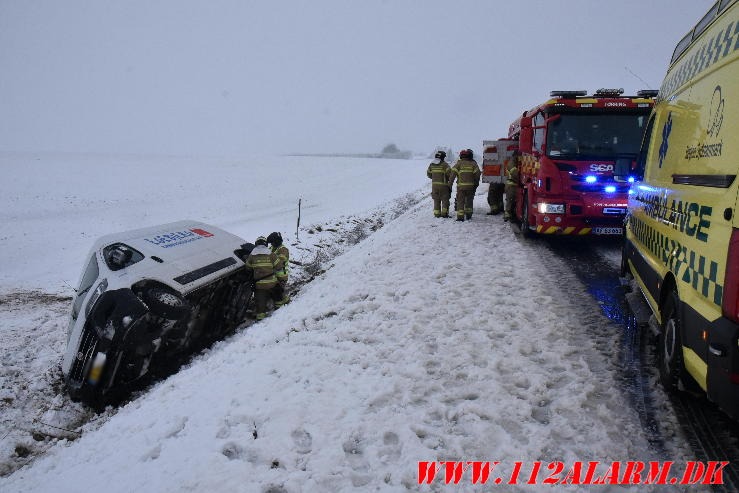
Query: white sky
x,y
228,77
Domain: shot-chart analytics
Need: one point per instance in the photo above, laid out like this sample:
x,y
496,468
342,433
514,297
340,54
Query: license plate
x,y
608,231
97,369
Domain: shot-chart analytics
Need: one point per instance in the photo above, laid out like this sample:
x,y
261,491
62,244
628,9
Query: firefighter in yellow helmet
x,y
467,173
281,269
262,263
511,185
439,172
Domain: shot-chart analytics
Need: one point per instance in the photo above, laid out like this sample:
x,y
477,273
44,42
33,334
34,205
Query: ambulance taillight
x,y
730,302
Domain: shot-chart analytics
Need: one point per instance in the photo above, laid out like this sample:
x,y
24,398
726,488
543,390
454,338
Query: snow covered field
x,y
430,340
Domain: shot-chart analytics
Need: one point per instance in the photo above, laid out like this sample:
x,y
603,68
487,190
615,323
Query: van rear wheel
x,y
669,344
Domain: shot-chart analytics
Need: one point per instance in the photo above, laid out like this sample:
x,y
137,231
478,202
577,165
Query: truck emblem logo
x,y
666,130
716,113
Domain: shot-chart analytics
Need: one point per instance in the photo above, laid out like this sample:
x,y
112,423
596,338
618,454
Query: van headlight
x,y
545,208
100,289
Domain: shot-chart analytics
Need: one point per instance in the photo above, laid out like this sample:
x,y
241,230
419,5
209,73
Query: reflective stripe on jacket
x,y
467,173
512,172
262,261
439,173
283,255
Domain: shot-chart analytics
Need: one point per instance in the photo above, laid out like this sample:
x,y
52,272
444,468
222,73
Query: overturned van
x,y
150,296
682,230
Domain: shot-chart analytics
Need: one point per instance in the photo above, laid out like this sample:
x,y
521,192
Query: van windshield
x,y
594,136
88,279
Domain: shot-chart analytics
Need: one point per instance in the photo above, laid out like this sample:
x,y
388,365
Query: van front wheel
x,y
165,303
670,349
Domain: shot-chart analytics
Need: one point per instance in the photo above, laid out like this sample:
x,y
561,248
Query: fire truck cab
x,y
570,147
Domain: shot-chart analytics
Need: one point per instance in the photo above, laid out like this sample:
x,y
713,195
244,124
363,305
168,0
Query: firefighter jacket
x,y
439,174
467,174
262,262
512,172
283,256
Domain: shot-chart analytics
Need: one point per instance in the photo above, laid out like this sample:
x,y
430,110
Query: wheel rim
x,y
168,299
668,346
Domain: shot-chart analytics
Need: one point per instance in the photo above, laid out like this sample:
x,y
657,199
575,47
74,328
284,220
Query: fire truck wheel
x,y
525,230
669,345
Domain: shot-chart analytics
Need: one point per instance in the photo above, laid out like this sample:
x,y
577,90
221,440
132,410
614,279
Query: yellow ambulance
x,y
682,228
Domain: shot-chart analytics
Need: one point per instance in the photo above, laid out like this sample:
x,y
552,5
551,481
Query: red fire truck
x,y
569,149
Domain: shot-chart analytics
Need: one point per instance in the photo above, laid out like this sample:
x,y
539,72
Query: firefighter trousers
x,y
495,197
262,297
510,200
465,197
441,195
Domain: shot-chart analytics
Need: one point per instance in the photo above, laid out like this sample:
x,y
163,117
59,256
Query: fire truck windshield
x,y
594,136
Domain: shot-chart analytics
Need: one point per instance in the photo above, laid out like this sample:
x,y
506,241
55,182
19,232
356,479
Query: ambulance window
x,y
682,45
641,161
705,21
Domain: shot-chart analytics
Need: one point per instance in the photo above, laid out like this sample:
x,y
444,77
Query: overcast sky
x,y
235,77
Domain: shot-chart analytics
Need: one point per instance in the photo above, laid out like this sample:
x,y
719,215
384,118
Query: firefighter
x,y
262,262
281,269
467,173
439,172
511,185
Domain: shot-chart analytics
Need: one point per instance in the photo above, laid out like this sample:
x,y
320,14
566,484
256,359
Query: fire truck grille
x,y
600,187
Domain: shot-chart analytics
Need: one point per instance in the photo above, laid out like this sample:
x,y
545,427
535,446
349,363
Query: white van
x,y
682,229
151,295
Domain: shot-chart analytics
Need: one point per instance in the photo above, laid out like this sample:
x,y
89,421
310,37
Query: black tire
x,y
525,230
166,303
624,269
669,344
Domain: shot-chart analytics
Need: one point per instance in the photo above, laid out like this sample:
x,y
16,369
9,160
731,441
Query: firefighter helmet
x,y
465,154
274,239
261,241
440,155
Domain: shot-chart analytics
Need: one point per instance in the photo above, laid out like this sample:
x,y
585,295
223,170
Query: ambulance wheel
x,y
669,344
525,230
624,269
166,303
